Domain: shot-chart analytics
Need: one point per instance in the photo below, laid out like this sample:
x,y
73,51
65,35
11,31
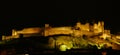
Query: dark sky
x,y
20,15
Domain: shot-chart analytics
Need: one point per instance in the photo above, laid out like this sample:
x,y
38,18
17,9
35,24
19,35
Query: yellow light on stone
x,y
63,48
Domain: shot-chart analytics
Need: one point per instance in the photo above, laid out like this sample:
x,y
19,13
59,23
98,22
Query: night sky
x,y
57,13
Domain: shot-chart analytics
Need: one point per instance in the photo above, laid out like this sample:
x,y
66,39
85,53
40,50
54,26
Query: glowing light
x,y
63,48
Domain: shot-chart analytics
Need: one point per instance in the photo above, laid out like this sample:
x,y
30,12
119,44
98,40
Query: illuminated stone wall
x,y
100,37
84,29
9,37
6,37
99,27
29,30
83,26
58,30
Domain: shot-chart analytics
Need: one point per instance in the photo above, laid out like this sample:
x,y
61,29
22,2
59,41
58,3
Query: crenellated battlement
x,y
78,30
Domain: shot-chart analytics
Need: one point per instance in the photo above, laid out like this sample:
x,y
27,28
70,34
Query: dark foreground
x,y
55,52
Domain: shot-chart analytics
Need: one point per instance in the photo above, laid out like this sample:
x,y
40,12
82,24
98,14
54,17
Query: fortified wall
x,y
77,31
